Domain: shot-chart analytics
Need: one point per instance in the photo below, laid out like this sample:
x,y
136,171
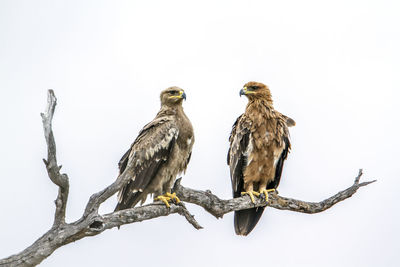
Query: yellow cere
x,y
177,96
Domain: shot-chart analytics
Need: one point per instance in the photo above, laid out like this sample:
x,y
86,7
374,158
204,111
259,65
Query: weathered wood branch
x,y
91,223
53,170
218,207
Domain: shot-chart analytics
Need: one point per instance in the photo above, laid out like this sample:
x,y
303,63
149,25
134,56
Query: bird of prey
x,y
161,151
259,144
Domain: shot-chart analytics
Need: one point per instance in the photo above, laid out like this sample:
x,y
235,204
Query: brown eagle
x,y
259,144
161,151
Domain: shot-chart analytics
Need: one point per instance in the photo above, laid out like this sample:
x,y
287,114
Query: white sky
x,y
333,66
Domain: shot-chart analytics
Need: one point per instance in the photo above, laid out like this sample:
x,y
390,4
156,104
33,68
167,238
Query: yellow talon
x,y
173,197
251,194
265,192
168,197
164,199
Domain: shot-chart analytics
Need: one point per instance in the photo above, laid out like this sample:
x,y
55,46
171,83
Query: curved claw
x,y
251,194
168,197
164,199
265,193
173,197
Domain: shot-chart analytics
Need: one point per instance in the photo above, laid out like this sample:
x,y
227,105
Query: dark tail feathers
x,y
133,199
246,220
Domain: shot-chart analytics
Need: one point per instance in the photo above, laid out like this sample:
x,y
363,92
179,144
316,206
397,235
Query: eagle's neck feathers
x,y
182,121
170,110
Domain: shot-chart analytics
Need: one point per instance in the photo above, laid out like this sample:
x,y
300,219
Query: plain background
x,y
333,66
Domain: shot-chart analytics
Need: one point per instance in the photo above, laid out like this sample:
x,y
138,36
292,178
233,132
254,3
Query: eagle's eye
x,y
173,92
253,88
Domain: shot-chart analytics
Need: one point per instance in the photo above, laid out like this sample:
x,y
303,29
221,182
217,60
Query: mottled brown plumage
x,y
259,144
160,152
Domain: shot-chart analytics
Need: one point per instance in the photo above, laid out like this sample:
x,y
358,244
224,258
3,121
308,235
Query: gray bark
x,y
92,223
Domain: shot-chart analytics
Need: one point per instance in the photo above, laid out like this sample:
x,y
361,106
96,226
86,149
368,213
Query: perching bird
x,y
161,151
259,144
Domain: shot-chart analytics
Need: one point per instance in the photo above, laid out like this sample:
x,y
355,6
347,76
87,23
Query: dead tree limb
x,y
53,170
218,207
92,223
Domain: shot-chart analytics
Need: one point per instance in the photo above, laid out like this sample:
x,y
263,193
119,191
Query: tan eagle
x,y
259,144
161,151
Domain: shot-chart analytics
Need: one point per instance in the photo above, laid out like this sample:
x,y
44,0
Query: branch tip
x,y
367,183
360,173
189,217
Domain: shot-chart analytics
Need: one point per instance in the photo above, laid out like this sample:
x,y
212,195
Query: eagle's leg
x,y
164,198
265,193
250,192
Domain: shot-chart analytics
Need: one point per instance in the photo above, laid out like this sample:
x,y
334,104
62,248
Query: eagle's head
x,y
172,96
256,90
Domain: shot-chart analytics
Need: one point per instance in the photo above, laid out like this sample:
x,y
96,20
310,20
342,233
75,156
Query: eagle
x,y
259,145
161,151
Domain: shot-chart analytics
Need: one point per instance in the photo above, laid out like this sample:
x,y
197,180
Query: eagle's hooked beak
x,y
243,91
181,95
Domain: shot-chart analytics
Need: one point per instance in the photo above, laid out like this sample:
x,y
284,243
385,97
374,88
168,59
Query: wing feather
x,y
238,152
289,121
279,166
147,155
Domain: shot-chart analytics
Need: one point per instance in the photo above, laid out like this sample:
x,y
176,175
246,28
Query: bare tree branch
x,y
53,170
218,207
91,223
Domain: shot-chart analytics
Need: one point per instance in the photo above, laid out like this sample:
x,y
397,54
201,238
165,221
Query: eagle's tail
x,y
130,202
246,220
